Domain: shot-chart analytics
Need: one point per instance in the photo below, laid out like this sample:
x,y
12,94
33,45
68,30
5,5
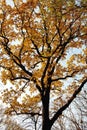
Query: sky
x,y
10,2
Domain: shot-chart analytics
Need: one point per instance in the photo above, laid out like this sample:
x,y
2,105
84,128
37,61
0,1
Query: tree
x,y
42,48
6,123
74,117
12,125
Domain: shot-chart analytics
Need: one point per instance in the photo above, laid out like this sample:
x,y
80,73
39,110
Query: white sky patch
x,y
78,2
10,2
71,52
7,86
37,20
37,10
16,42
24,1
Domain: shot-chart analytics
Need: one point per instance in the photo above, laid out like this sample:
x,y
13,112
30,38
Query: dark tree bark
x,y
46,125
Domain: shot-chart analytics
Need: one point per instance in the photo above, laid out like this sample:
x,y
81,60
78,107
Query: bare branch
x,y
59,112
67,76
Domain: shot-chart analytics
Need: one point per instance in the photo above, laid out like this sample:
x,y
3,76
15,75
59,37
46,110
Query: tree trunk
x,y
45,118
46,125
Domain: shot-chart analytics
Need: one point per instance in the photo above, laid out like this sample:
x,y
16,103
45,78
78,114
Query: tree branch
x,y
25,113
20,77
59,112
14,57
62,78
44,73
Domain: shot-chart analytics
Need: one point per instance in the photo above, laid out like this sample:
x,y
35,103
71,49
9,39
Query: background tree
x,y
74,117
43,54
6,123
12,125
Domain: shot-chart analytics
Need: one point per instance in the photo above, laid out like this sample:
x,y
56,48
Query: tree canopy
x,y
43,53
